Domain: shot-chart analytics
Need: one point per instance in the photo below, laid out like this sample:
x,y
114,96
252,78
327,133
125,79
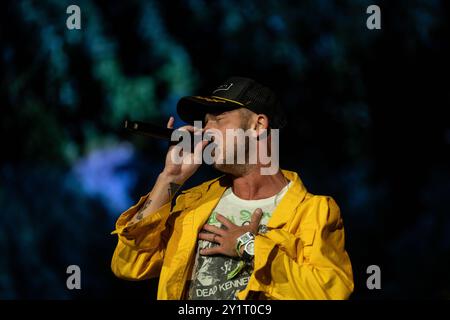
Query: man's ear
x,y
262,122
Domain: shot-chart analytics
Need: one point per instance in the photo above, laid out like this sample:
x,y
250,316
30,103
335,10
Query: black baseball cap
x,y
234,93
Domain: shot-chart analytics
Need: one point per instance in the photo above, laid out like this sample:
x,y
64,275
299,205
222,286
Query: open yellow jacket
x,y
302,256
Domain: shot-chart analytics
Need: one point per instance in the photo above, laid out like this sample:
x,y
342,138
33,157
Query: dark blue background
x,y
367,125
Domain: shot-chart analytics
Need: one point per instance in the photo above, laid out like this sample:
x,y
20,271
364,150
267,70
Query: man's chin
x,y
221,167
233,169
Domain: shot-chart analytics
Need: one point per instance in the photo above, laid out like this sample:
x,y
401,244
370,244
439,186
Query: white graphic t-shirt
x,y
209,276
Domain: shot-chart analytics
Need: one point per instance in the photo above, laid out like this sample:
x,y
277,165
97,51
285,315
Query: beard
x,y
235,168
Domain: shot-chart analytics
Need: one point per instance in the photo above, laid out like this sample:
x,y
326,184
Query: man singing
x,y
244,235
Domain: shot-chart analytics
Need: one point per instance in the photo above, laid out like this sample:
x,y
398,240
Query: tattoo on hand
x,y
173,188
140,213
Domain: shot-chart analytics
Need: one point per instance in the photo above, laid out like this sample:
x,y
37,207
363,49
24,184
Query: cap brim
x,y
194,108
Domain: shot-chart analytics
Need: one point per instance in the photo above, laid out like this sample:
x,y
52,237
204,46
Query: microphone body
x,y
154,131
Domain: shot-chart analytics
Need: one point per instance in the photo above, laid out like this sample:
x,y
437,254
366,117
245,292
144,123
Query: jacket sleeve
x,y
310,263
140,248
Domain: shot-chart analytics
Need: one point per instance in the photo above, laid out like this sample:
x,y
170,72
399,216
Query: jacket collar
x,y
293,197
212,192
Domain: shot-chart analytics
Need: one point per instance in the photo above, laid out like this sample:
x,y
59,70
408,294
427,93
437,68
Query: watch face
x,y
245,237
250,248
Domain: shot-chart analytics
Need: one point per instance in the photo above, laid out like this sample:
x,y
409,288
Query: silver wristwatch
x,y
248,241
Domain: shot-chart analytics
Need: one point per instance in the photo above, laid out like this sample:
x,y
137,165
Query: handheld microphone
x,y
154,131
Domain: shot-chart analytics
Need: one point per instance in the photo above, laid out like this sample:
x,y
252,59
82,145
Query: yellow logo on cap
x,y
218,99
209,99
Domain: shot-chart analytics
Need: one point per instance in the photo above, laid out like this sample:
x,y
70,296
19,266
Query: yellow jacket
x,y
302,256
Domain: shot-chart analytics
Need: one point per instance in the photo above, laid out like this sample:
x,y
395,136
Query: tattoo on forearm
x,y
173,188
140,213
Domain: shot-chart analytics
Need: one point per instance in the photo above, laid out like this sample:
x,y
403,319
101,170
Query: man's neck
x,y
254,186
